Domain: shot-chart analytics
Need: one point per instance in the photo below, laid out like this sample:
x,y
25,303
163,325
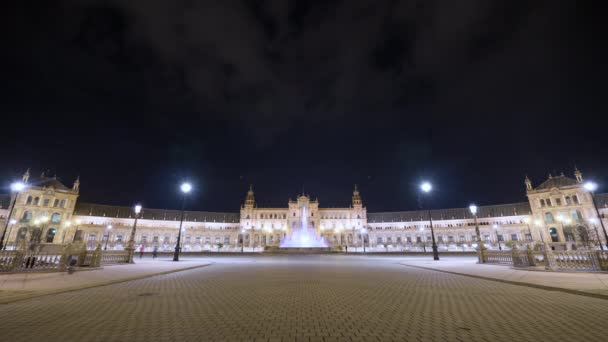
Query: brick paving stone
x,y
307,298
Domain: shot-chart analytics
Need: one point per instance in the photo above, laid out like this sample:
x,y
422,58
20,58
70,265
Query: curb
x,y
84,287
519,283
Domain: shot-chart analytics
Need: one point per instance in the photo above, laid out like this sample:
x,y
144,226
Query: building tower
x,y
250,198
578,175
528,183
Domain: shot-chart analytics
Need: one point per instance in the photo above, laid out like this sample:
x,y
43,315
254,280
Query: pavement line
x,y
519,283
88,286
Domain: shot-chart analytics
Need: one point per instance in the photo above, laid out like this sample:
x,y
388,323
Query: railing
x,y
579,260
575,260
114,257
20,261
499,257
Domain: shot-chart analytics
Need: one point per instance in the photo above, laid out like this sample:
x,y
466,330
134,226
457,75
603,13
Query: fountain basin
x,y
302,250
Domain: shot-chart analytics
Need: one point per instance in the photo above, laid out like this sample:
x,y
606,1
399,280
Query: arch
x,y
50,235
575,199
553,234
29,200
21,234
56,218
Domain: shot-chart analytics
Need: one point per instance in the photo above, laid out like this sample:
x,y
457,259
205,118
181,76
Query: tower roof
x,y
556,182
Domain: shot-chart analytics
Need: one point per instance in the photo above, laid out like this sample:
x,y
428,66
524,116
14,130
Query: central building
x,y
300,221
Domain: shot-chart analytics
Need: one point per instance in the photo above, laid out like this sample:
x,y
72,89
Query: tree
x,y
219,246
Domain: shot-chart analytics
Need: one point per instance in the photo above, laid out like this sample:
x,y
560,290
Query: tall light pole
x,y
131,245
10,229
105,248
363,233
591,187
426,187
16,187
185,188
497,237
482,248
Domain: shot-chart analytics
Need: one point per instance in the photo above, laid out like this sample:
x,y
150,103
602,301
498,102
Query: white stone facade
x,y
560,211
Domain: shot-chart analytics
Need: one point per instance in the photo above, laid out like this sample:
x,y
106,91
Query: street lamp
x,y
497,237
426,187
185,188
105,248
131,245
591,187
482,248
16,187
363,233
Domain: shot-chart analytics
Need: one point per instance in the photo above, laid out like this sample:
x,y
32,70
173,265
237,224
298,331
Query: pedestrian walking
x,y
141,251
154,252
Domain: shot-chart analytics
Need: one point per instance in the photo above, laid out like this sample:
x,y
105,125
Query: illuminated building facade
x,y
559,211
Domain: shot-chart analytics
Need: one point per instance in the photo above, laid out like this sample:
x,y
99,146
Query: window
x,y
27,215
37,201
558,201
568,200
166,239
50,235
118,238
462,238
440,239
46,202
144,239
63,203
55,203
501,238
408,239
208,239
29,200
155,239
428,239
548,217
549,202
379,240
542,202
227,239
198,240
92,237
528,237
575,199
217,239
418,239
399,239
514,237
450,239
187,240
486,238
55,218
389,240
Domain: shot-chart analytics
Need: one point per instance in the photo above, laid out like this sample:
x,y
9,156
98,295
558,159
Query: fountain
x,y
303,236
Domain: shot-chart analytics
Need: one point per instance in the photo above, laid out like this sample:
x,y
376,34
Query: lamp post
x,y
185,188
363,234
591,187
426,187
131,245
105,248
16,187
482,248
497,237
10,229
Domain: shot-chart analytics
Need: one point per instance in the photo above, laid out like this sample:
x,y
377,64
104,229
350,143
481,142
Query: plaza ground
x,y
307,298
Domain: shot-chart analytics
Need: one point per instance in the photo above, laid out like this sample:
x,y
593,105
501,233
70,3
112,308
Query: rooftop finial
x,y
578,174
26,176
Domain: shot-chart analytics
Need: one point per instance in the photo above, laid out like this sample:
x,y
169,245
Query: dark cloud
x,y
383,84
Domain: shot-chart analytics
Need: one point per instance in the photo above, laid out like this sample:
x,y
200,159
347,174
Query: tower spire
x,y
578,174
528,183
356,197
26,176
76,185
250,198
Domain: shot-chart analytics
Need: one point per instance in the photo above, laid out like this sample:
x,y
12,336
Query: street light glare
x,y
426,186
109,226
17,186
137,209
590,186
186,187
473,209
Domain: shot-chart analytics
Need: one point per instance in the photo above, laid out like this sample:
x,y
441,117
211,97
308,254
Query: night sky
x,y
136,96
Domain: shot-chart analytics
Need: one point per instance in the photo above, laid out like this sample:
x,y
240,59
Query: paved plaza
x,y
307,298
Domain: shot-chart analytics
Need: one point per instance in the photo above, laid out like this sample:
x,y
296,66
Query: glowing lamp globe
x,y
186,187
426,187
